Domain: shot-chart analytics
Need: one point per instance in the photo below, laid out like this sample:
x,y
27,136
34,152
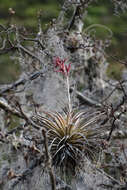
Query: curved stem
x,y
101,26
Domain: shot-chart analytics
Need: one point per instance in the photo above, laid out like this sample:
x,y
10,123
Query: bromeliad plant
x,y
72,135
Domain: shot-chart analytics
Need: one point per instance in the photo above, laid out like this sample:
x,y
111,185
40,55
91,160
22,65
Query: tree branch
x,y
49,164
86,99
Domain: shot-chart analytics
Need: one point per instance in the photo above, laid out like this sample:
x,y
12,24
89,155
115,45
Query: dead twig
x,y
25,50
110,177
6,107
26,172
112,114
86,99
49,164
23,81
34,40
124,152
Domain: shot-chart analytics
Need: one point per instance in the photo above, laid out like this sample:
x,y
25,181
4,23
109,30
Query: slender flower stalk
x,y
68,93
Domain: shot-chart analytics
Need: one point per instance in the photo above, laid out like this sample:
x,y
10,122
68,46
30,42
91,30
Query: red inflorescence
x,y
60,64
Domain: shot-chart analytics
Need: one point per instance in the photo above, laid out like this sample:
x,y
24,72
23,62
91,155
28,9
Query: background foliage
x,y
101,12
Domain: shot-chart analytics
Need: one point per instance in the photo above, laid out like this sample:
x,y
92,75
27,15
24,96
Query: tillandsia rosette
x,y
72,135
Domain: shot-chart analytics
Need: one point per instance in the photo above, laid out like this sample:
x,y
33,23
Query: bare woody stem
x,y
49,164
